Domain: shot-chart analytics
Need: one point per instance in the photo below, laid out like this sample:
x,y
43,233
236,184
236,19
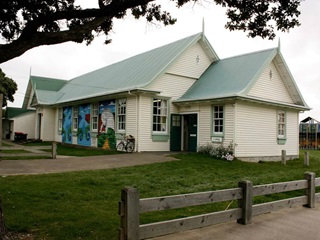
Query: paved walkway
x,y
69,164
297,223
62,164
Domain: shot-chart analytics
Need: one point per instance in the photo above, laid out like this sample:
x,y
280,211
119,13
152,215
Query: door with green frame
x,y
183,132
175,132
191,123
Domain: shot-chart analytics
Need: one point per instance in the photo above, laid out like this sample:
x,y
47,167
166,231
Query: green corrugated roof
x,y
12,112
133,73
47,84
51,85
229,77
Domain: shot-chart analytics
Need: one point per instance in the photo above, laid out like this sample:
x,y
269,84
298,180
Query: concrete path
x,y
69,164
297,223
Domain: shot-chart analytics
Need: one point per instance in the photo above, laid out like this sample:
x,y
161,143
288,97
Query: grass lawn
x,y
83,205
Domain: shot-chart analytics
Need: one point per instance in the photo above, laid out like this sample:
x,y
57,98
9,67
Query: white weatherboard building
x,y
176,97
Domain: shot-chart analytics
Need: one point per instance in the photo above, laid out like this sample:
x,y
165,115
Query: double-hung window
x,y
95,117
121,114
75,118
218,121
281,128
160,115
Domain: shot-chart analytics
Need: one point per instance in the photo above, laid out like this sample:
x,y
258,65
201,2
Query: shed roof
x,y
12,112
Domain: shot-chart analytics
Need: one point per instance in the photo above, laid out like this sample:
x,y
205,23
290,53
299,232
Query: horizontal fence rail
x,y
131,206
31,151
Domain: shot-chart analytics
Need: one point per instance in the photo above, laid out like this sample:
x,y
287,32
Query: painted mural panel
x,y
67,125
84,137
106,136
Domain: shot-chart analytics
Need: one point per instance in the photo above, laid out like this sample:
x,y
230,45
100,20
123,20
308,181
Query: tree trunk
x,y
3,229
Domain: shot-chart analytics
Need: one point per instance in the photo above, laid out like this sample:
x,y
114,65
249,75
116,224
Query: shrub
x,y
217,151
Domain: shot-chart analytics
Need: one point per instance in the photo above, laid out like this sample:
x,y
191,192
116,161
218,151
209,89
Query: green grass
x,y
82,152
83,205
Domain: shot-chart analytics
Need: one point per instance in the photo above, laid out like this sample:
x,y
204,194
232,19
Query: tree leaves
x,y
8,88
31,23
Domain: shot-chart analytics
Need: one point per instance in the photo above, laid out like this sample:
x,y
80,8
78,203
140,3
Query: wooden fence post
x,y
245,203
306,159
283,157
54,150
311,190
129,214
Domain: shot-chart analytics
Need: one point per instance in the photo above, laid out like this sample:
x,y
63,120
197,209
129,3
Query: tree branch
x,y
30,37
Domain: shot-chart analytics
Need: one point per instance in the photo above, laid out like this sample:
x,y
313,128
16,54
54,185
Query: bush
x,y
217,151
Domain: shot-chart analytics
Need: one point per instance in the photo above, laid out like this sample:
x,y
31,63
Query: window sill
x,y
160,137
282,141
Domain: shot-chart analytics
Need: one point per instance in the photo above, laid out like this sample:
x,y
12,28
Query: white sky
x,y
300,47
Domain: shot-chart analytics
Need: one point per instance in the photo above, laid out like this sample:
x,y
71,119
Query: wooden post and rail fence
x,y
32,151
131,206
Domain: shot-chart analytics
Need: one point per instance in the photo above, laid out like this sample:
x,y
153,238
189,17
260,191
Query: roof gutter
x,y
241,98
92,98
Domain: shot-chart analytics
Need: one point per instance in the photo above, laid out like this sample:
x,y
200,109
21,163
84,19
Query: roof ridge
x,y
249,53
137,55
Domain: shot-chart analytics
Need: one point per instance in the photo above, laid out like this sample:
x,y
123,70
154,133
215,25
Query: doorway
x,y
184,132
39,125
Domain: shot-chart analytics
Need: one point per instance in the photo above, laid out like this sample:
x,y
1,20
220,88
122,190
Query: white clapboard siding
x,y
24,123
271,88
292,133
228,124
256,132
192,63
131,116
57,136
145,126
48,120
171,85
205,124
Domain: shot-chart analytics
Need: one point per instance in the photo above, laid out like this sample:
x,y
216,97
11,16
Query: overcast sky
x,y
300,47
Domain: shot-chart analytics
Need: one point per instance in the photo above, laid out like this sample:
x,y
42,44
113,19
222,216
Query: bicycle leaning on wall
x,y
126,144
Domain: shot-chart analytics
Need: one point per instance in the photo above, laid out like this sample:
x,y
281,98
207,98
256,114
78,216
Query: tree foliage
x,y
8,88
31,23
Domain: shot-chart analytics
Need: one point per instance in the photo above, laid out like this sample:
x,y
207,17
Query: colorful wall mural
x,y
106,132
84,137
67,125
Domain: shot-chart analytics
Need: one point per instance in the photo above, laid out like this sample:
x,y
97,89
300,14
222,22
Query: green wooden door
x,y
192,132
175,133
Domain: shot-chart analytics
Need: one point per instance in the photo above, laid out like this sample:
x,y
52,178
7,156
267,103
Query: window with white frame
x,y
281,124
95,117
160,115
121,114
218,120
75,118
60,118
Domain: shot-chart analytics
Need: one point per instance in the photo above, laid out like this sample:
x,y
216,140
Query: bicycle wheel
x,y
120,146
130,147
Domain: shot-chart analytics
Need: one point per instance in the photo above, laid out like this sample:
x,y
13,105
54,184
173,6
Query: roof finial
x,y
202,26
279,44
